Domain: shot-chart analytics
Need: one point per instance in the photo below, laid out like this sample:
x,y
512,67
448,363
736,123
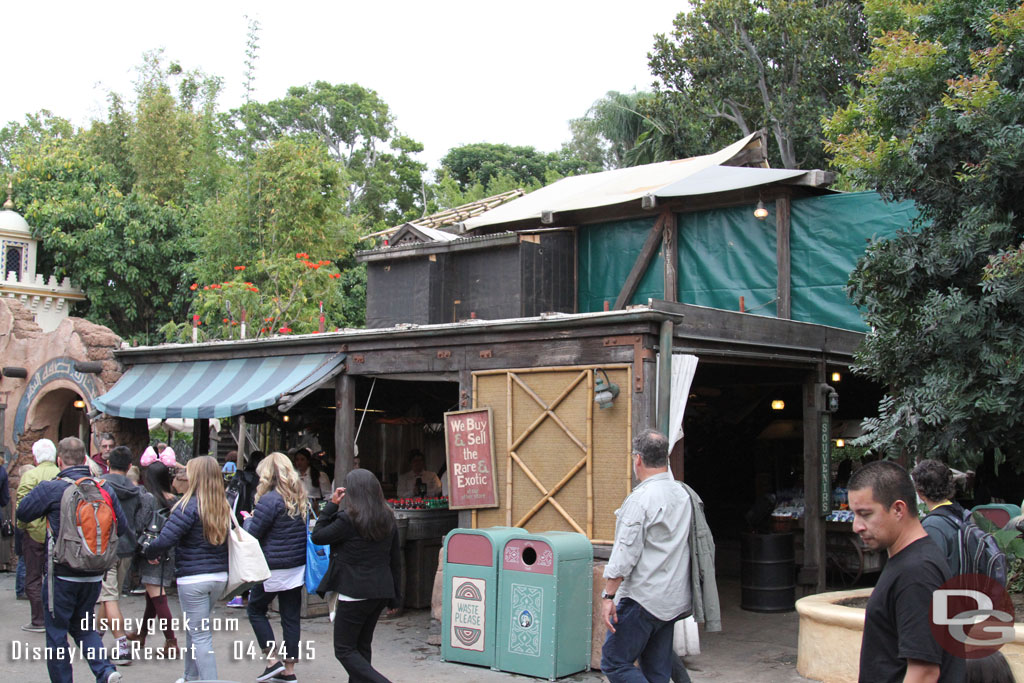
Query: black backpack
x,y
978,550
152,530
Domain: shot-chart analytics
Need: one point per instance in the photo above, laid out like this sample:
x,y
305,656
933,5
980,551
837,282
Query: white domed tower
x,y
47,299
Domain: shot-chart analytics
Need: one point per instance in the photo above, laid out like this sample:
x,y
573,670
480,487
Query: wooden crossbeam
x,y
548,495
640,266
548,411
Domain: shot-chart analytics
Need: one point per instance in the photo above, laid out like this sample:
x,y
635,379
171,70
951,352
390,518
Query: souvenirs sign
x,y
469,447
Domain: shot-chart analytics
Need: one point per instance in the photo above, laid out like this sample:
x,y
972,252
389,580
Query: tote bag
x,y
318,557
246,564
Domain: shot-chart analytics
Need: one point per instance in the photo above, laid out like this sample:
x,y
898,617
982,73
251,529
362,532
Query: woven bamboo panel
x,y
551,447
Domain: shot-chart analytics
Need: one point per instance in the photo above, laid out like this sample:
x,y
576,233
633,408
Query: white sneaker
x,y
114,677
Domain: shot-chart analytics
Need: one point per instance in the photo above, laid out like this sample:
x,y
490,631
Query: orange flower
x,y
302,255
234,322
267,320
324,263
285,330
253,289
334,275
194,286
205,288
248,284
226,320
214,287
239,267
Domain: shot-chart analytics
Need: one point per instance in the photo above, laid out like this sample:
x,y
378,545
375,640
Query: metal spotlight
x,y
605,391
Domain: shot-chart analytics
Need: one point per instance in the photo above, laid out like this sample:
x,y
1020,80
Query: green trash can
x,y
470,594
544,605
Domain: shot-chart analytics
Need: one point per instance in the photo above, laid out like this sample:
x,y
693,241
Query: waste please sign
x,y
469,446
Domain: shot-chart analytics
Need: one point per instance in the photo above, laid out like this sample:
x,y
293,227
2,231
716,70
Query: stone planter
x,y
828,648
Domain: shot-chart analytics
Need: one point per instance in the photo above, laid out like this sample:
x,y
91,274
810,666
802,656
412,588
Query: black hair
x,y
934,480
888,482
652,447
120,458
364,502
991,669
157,480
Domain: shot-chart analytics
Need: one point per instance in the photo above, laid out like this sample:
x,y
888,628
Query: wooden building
x,y
508,311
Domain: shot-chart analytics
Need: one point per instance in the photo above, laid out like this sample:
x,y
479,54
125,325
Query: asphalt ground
x,y
751,647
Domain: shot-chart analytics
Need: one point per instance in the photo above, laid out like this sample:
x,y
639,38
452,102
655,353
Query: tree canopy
x,y
774,64
938,117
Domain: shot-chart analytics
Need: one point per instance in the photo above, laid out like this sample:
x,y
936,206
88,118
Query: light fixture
x,y
760,212
778,404
287,418
605,391
840,443
836,377
79,404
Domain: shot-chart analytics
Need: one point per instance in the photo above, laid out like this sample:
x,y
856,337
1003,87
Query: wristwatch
x,y
607,596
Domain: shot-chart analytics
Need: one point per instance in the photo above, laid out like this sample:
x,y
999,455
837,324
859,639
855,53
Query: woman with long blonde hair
x,y
198,530
279,522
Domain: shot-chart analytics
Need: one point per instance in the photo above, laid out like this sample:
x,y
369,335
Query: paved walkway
x,y
752,647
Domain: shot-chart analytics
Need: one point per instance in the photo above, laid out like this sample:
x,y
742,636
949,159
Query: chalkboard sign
x,y
469,447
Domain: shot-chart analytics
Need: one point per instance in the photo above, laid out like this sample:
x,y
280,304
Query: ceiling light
x,y
778,404
760,213
840,443
79,404
836,377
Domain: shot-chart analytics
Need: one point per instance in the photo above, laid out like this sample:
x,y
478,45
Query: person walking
x,y
33,543
198,530
364,569
156,577
74,592
647,578
934,484
138,509
279,522
897,644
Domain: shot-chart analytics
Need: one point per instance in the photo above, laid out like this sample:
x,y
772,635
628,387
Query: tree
x,y
482,162
127,252
357,129
775,64
627,129
939,118
275,254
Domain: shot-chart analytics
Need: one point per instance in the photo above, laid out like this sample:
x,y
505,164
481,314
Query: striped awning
x,y
213,388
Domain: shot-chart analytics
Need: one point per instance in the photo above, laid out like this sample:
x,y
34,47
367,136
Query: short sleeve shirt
x,y
897,624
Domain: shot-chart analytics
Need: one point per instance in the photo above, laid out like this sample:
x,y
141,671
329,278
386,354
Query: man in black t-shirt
x,y
898,645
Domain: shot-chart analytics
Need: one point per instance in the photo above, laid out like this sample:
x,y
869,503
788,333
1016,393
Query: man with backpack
x,y
968,548
138,508
81,517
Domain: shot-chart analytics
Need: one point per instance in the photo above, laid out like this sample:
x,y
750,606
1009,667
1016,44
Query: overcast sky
x,y
452,72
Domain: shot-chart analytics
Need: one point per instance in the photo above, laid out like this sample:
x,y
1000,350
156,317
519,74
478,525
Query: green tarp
x,y
725,254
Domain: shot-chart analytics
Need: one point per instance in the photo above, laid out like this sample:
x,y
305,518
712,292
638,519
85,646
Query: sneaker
x,y
114,677
270,672
284,678
32,628
124,657
237,602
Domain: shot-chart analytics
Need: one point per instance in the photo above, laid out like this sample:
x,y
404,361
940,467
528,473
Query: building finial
x,y
9,204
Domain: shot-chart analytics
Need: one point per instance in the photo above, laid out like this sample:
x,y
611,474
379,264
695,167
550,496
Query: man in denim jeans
x,y
647,579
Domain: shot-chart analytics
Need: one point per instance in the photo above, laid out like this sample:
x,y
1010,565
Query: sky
x,y
453,72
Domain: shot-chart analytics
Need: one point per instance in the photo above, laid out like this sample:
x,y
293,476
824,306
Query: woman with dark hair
x,y
933,481
364,569
156,577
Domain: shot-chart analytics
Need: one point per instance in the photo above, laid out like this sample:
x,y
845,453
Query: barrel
x,y
767,573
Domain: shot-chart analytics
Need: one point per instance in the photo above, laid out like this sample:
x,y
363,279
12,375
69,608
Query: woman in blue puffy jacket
x,y
198,531
279,522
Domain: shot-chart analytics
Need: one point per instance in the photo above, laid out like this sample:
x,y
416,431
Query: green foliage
x,y
939,118
494,166
774,64
127,252
357,129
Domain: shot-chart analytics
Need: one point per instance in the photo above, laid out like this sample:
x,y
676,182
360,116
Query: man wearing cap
x,y
33,543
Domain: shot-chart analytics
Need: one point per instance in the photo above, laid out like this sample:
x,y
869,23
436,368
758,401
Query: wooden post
x,y
784,304
665,376
344,425
654,238
812,574
201,438
668,241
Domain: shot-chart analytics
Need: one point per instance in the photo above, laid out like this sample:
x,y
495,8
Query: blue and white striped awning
x,y
214,388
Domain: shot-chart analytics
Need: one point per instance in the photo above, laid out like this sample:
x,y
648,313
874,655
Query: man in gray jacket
x,y
647,579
